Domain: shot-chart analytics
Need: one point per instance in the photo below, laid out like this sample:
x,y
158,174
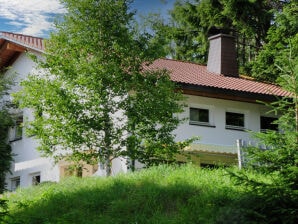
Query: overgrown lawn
x,y
164,194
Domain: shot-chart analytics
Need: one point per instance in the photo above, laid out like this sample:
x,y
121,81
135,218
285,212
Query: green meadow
x,y
163,194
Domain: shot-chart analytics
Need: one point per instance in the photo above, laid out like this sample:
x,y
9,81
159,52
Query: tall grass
x,y
164,194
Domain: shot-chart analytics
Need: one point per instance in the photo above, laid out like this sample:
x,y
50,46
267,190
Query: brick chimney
x,y
222,58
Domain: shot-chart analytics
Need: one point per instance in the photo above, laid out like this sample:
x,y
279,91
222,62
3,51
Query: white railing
x,y
231,149
236,149
241,145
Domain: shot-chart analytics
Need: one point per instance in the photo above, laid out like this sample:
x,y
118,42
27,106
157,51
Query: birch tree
x,y
81,94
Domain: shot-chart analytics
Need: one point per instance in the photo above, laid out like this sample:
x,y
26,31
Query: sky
x,y
35,17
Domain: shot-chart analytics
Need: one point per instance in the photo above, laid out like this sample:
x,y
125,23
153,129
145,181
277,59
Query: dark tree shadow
x,y
122,202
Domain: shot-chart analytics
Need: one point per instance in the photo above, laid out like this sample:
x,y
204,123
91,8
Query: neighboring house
x,y
221,107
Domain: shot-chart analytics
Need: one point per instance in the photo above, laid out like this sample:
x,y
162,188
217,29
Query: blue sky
x,y
35,17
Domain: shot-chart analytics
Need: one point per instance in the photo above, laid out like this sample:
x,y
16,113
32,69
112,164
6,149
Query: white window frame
x,y
14,130
33,177
210,109
234,127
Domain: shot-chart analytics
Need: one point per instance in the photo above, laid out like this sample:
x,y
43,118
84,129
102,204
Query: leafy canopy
x,y
281,36
5,149
92,100
5,123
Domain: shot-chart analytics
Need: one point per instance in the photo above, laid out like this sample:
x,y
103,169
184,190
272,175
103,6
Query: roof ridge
x,y
183,61
19,34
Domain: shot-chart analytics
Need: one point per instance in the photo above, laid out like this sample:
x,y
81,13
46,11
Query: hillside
x,y
184,194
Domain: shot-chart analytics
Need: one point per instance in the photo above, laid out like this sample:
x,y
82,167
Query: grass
x,y
164,194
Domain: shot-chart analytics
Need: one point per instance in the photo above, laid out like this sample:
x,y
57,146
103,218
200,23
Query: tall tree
x,y
192,21
5,123
91,74
282,32
278,163
5,149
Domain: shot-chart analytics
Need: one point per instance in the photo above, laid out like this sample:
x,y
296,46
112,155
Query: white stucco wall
x,y
219,135
27,160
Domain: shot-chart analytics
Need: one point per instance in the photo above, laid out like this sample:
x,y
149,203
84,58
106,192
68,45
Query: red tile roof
x,y
195,74
180,71
26,41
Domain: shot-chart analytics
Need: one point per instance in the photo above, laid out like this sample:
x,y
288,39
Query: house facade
x,y
221,108
28,167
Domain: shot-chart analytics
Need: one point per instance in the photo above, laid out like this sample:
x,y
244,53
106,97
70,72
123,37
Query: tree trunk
x,y
244,51
133,165
108,142
108,167
296,117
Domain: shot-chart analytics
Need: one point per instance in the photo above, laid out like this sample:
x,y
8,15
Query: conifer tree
x,y
279,162
185,35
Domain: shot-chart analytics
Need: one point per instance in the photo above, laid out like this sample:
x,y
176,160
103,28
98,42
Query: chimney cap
x,y
216,30
221,35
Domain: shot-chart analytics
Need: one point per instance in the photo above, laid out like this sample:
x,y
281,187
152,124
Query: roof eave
x,y
24,45
227,94
28,42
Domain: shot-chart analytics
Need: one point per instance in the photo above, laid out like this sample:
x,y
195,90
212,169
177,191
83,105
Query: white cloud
x,y
30,17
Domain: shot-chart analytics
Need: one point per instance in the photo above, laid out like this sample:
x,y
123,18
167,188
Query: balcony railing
x,y
225,154
232,149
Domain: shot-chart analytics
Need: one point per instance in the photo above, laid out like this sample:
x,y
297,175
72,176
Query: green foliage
x,y
5,123
164,194
152,117
81,94
5,149
280,161
282,36
3,209
191,22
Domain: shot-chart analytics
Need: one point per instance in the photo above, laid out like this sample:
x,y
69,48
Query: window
x,y
197,115
234,121
17,130
35,179
15,183
267,123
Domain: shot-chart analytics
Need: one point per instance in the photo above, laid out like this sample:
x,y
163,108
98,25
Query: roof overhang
x,y
12,45
9,52
226,94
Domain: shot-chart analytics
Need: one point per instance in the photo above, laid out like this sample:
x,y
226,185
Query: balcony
x,y
210,154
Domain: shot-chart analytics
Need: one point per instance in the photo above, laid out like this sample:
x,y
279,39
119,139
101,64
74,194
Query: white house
x,y
221,106
29,167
